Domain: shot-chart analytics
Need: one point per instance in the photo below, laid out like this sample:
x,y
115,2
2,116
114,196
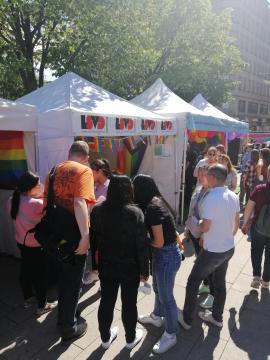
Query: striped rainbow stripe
x,y
12,158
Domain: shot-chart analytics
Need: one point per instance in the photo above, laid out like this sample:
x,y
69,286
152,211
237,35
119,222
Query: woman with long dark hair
x,y
166,259
26,211
102,173
118,226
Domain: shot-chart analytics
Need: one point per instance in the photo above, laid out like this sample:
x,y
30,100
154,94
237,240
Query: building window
x,y
242,106
253,107
264,109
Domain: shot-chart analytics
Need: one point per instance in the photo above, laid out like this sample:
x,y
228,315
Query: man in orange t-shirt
x,y
74,190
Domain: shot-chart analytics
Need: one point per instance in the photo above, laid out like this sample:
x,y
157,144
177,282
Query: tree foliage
x,y
122,45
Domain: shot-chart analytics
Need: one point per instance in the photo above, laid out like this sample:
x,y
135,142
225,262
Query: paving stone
x,y
250,338
59,352
207,348
242,283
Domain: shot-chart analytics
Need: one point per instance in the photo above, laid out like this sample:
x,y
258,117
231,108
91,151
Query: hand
x,y
245,229
83,246
201,242
144,278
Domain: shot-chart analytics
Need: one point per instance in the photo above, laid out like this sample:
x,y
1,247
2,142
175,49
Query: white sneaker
x,y
138,338
166,342
208,302
114,331
203,289
182,321
207,317
151,319
256,282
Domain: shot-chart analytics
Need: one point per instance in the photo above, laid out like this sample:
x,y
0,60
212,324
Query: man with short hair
x,y
73,188
220,221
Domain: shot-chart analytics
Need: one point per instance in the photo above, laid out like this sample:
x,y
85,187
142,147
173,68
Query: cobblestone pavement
x,y
245,334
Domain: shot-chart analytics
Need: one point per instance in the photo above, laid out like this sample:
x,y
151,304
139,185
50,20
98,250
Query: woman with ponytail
x,y
26,211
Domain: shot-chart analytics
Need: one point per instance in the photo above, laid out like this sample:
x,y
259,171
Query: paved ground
x,y
245,334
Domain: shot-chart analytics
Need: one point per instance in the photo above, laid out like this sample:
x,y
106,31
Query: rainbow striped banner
x,y
12,158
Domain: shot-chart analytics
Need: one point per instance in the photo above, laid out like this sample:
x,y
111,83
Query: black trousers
x,y
260,244
129,292
206,264
34,273
69,288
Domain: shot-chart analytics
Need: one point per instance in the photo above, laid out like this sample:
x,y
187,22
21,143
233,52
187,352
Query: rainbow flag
x,y
129,160
12,158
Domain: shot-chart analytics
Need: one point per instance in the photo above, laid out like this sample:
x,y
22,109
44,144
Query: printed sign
x,y
95,123
124,124
166,125
148,126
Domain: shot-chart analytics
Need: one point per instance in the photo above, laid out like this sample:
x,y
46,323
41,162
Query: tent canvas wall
x,y
72,106
18,125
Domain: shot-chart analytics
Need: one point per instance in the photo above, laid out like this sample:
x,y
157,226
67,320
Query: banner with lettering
x,y
148,127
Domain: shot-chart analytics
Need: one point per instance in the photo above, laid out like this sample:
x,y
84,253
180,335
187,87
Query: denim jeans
x,y
70,282
260,244
205,264
166,262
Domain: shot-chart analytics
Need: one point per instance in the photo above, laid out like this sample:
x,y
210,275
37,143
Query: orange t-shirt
x,y
71,180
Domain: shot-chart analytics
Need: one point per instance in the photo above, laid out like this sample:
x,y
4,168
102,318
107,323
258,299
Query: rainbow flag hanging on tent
x,y
12,158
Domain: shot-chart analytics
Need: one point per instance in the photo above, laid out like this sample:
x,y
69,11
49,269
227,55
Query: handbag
x,y
57,231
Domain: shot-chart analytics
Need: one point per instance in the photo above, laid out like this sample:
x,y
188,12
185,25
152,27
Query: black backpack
x,y
58,231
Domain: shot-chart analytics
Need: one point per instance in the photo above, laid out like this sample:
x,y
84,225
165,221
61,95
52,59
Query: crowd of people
x,y
128,232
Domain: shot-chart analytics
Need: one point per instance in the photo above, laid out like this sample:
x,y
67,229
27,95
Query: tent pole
x,y
183,177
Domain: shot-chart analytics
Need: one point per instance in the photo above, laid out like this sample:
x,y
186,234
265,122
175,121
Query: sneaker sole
x,y
162,352
74,338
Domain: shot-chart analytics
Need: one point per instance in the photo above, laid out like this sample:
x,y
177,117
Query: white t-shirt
x,y
220,206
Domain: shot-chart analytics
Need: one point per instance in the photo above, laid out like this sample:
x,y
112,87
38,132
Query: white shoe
x,y
203,289
208,302
114,331
151,319
138,338
182,321
166,342
207,317
256,282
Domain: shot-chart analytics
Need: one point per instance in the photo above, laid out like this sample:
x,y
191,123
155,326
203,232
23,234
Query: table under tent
x,y
160,99
73,108
18,126
236,129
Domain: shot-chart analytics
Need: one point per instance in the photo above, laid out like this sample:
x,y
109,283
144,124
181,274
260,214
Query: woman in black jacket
x,y
118,226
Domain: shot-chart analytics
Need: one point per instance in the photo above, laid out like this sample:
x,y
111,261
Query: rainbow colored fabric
x,y
12,158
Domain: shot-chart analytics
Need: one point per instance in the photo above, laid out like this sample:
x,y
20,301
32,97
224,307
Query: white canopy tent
x,y
13,118
160,99
72,106
202,104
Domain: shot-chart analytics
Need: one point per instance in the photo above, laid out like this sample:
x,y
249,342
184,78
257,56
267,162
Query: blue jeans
x,y
166,262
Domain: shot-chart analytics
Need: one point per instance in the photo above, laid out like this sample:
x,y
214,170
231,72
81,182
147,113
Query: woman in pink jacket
x,y
26,211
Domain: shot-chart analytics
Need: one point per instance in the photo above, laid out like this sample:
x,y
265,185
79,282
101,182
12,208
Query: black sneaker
x,y
81,331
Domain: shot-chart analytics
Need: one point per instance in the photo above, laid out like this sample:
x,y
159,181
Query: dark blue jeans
x,y
166,262
260,244
205,264
70,281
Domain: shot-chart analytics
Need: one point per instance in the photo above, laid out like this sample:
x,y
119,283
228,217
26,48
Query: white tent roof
x,y
17,117
71,91
159,98
208,109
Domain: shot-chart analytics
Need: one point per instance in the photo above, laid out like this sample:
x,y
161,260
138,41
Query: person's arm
x,y
236,223
247,215
81,214
142,246
158,237
205,225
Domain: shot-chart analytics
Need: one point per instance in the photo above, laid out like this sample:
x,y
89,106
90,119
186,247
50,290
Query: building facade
x,y
251,28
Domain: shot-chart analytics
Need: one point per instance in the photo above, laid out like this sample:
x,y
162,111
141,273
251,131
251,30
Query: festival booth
x,y
191,123
18,125
259,137
235,129
73,108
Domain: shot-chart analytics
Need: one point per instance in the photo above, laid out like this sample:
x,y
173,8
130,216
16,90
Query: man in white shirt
x,y
220,222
